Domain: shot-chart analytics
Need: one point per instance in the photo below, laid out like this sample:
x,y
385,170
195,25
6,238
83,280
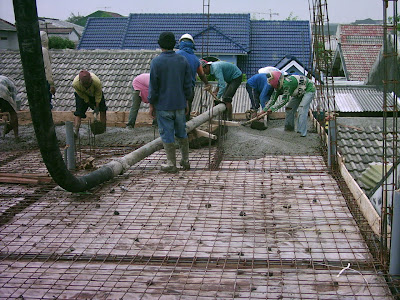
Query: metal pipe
x,y
119,166
394,268
35,81
70,141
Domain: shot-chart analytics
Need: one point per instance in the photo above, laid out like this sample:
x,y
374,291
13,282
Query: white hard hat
x,y
187,36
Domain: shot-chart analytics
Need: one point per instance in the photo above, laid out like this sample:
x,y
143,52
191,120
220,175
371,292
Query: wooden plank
x,y
25,178
366,207
114,118
25,175
226,123
19,180
203,133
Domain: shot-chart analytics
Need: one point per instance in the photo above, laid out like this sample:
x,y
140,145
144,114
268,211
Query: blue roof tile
x,y
255,43
103,33
270,41
234,28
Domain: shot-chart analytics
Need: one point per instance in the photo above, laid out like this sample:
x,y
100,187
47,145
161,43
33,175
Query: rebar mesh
x,y
272,227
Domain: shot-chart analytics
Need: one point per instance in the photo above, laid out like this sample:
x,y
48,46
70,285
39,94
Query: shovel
x,y
254,119
215,97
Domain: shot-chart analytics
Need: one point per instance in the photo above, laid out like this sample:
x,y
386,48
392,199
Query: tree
x,y
56,42
291,17
78,20
390,20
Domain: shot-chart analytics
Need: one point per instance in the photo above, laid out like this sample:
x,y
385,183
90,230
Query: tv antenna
x,y
272,14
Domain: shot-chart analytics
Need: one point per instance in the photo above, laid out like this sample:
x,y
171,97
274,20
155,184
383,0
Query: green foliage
x,y
390,20
56,42
210,77
323,55
291,17
78,20
81,20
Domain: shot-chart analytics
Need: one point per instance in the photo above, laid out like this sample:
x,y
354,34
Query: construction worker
x,y
88,93
259,91
300,91
229,78
47,66
269,69
9,103
140,87
170,87
186,48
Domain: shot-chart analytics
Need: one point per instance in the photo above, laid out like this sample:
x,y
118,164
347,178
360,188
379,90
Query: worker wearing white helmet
x,y
186,36
269,70
186,49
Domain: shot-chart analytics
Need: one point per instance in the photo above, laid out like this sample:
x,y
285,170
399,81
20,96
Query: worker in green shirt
x,y
297,92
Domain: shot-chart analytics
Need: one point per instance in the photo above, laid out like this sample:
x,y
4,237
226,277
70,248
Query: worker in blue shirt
x,y
170,87
186,49
229,78
259,91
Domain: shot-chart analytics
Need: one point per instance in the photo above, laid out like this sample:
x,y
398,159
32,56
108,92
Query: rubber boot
x,y
184,147
170,166
229,110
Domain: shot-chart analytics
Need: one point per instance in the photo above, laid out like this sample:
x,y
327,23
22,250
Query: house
x,y
250,44
357,49
63,29
8,36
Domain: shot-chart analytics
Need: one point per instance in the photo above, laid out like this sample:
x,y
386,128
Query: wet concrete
x,y
241,141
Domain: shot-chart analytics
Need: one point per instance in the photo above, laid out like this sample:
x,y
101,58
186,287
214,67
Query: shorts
x,y
82,106
171,123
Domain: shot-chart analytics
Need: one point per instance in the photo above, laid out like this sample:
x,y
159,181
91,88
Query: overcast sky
x,y
339,11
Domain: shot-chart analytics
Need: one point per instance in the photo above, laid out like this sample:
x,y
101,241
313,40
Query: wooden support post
x,y
203,133
226,123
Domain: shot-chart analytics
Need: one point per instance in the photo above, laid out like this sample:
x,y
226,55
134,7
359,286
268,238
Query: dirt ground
x,y
240,142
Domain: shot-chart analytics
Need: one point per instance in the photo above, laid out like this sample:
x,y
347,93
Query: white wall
x,y
9,40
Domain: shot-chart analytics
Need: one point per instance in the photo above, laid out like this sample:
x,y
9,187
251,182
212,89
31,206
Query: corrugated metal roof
x,y
347,102
361,99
